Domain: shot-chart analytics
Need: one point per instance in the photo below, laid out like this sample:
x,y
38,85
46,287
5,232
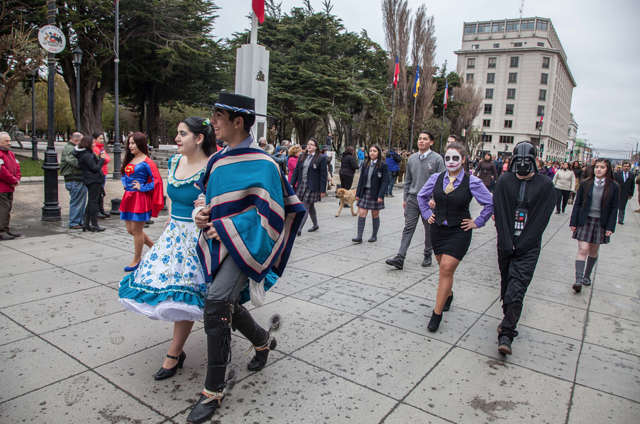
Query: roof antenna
x,y
521,8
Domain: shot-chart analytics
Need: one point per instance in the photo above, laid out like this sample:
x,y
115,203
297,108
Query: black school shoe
x,y
504,345
427,261
577,286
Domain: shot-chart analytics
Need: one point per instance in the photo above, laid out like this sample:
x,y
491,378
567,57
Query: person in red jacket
x,y
9,180
98,148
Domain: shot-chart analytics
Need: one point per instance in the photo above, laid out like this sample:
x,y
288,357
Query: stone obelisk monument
x,y
252,75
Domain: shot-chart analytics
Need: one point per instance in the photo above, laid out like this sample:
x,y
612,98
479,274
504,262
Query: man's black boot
x,y
398,262
504,345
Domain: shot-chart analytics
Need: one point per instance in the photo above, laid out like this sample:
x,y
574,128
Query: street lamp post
x,y
34,139
77,61
51,208
116,142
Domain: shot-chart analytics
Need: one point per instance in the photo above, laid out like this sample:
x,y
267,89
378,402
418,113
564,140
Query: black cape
x,y
542,201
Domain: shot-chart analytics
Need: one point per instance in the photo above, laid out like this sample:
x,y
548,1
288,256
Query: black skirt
x,y
452,241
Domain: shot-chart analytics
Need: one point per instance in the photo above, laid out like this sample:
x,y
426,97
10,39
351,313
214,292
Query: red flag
x,y
396,73
258,9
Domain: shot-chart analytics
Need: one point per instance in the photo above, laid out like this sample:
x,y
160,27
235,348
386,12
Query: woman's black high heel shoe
x,y
165,373
447,304
434,322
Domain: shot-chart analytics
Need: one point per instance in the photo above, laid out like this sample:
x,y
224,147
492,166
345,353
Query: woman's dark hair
x,y
565,163
96,135
305,153
608,180
463,152
198,125
379,159
576,165
485,155
349,150
507,159
86,142
141,144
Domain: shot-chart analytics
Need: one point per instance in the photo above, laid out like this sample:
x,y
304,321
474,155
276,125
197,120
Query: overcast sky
x,y
601,40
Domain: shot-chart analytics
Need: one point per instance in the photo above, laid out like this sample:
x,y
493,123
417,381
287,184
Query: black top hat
x,y
237,103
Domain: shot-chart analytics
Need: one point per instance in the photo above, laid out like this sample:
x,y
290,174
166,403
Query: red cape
x,y
157,197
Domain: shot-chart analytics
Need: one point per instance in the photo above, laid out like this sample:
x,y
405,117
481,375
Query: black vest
x,y
452,207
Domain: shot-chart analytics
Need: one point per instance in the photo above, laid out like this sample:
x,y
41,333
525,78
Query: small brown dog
x,y
346,197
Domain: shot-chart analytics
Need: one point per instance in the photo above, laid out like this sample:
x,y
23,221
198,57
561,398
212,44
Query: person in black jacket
x,y
348,168
626,181
311,177
372,187
92,177
593,218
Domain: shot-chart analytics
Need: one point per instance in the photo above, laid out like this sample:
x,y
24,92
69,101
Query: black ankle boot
x,y
447,304
434,322
165,373
260,359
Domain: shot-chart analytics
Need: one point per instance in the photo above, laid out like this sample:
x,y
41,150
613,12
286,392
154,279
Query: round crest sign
x,y
52,39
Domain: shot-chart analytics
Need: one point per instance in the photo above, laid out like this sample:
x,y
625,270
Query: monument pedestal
x,y
252,79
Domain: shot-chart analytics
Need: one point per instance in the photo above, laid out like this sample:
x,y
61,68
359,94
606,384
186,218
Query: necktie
x,y
625,177
449,188
421,156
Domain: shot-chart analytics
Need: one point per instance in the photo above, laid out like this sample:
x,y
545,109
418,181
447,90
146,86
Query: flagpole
x,y
413,121
444,108
116,140
393,98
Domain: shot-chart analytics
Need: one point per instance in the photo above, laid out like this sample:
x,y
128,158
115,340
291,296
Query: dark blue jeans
x,y
392,181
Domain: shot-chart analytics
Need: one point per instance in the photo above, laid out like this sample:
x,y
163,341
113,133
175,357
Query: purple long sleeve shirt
x,y
478,190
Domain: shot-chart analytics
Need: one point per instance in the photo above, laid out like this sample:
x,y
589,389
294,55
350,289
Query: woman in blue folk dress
x,y
169,283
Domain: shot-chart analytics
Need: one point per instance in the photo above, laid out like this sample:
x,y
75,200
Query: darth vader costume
x,y
523,202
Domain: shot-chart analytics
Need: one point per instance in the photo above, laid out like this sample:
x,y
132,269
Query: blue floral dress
x,y
169,284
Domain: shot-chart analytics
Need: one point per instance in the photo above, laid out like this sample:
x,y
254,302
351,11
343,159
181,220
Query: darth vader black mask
x,y
524,157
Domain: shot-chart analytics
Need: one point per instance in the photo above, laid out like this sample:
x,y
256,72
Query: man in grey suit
x,y
626,180
420,167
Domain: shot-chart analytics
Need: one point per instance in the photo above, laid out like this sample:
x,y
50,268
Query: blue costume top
x,y
182,192
140,205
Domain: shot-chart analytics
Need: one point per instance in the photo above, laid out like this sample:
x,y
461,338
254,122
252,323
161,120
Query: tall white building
x,y
572,133
523,71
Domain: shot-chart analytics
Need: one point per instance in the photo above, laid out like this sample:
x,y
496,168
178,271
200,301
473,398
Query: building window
x,y
543,95
542,25
496,46
508,124
470,29
475,46
486,122
511,93
540,44
488,94
517,44
506,138
514,60
469,77
527,24
487,109
513,25
491,78
540,110
482,28
497,27
545,62
471,63
492,62
513,77
544,78
509,110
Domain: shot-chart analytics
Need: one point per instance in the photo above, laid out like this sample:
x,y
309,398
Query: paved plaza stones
x,y
354,347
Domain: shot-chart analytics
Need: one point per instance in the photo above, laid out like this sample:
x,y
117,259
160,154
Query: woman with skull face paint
x,y
451,222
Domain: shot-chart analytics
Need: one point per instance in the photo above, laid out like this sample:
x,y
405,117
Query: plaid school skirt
x,y
305,195
591,232
369,203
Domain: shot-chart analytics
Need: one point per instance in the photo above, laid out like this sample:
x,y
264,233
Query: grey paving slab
x,y
303,322
486,274
20,263
616,305
366,251
299,254
404,414
170,397
482,256
89,253
83,398
32,363
323,244
103,340
592,406
345,295
558,292
626,287
466,295
36,285
467,387
108,271
384,358
609,371
413,313
546,316
11,332
621,274
614,332
384,276
293,280
62,311
296,392
26,244
534,349
330,264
